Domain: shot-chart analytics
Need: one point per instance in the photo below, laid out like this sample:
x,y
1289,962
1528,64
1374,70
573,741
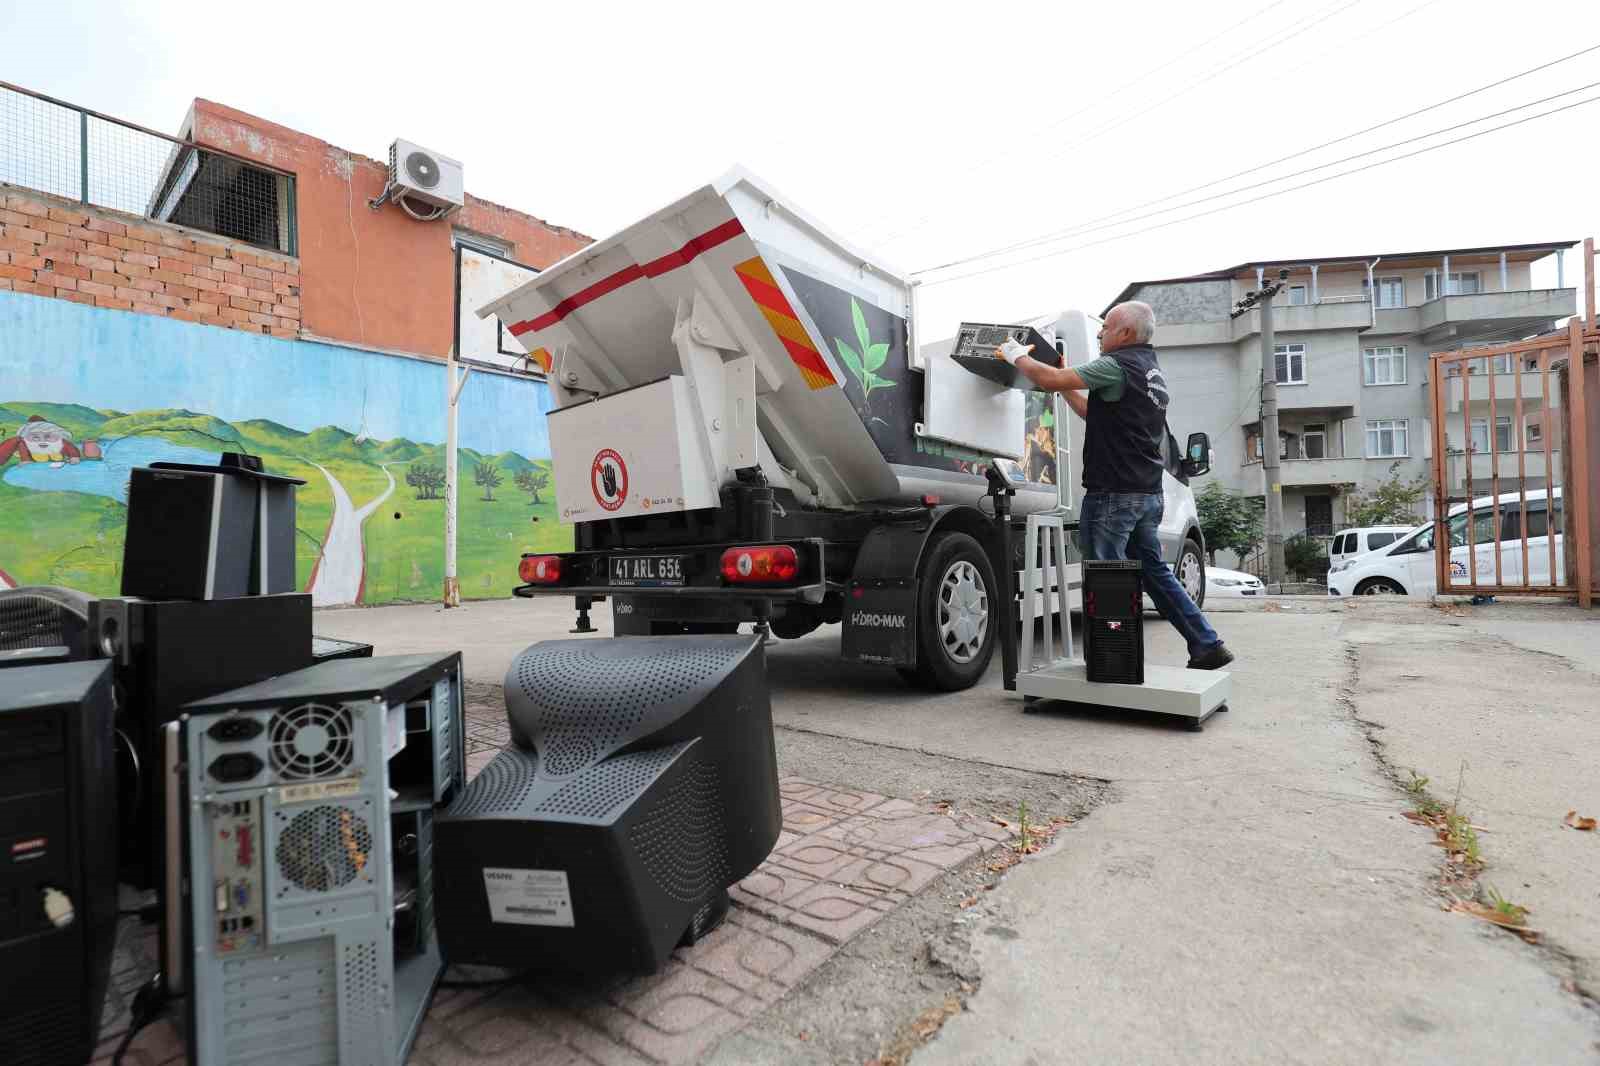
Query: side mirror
x,y
1197,455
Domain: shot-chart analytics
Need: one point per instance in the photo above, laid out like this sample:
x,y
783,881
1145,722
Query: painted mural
x,y
87,394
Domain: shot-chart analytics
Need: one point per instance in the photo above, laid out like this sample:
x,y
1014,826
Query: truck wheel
x,y
958,613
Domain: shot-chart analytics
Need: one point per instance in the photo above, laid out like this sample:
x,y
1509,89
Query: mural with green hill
x,y
68,438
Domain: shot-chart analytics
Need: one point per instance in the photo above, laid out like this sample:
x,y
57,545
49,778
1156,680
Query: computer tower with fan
x,y
58,860
308,927
1113,621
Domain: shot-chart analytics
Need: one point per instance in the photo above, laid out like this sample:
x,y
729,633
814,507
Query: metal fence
x,y
1517,521
55,147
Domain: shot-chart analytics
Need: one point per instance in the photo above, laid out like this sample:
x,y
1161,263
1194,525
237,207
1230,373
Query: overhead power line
x,y
1233,62
1264,196
1117,220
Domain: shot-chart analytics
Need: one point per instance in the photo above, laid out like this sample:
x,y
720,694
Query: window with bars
x,y
1384,365
1291,363
1387,438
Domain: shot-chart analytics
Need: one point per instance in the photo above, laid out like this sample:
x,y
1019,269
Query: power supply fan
x,y
422,169
324,848
310,740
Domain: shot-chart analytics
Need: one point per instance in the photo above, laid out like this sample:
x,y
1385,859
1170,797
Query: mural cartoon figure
x,y
39,440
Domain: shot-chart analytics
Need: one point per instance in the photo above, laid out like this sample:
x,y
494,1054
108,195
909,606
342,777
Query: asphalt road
x,y
1247,894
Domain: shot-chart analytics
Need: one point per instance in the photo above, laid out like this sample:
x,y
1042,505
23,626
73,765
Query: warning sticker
x,y
528,897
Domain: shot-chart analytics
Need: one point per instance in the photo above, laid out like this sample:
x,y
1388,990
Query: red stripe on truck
x,y
653,269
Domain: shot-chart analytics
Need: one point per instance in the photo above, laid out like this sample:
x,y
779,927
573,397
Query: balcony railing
x,y
71,152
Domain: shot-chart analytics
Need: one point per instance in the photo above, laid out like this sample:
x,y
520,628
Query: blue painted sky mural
x,y
296,383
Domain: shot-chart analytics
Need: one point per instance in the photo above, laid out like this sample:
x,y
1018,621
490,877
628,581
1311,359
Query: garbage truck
x,y
745,429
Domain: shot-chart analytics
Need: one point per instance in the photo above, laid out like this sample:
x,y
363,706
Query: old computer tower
x,y
1113,621
308,925
58,860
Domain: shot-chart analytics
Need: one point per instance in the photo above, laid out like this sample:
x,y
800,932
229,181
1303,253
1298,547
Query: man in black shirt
x,y
1122,398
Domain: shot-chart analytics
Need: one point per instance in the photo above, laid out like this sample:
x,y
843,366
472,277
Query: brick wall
x,y
52,247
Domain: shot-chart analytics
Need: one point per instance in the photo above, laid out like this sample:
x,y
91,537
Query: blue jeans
x,y
1125,525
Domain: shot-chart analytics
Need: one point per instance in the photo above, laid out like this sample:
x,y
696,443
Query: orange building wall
x,y
375,278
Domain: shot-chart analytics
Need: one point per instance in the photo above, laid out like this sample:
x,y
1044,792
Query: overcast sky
x,y
923,132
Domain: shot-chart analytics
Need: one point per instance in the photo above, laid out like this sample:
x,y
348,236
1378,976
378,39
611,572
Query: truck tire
x,y
958,613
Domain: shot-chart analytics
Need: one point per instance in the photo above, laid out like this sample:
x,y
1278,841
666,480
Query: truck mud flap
x,y
880,623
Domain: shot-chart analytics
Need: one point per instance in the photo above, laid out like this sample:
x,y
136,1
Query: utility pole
x,y
1273,488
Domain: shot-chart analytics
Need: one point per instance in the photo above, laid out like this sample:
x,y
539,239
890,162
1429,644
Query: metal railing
x,y
57,148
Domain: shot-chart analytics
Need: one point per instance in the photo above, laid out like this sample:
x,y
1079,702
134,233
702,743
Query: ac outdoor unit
x,y
424,177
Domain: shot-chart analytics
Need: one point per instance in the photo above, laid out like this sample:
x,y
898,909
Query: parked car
x,y
1350,543
1225,583
1407,567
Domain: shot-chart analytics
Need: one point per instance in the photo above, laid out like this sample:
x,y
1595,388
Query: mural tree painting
x,y
487,474
428,480
533,482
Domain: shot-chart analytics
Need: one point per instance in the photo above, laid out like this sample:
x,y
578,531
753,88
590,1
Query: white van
x,y
1407,568
1350,543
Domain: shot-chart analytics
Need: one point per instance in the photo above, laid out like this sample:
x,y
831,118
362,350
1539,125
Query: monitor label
x,y
528,897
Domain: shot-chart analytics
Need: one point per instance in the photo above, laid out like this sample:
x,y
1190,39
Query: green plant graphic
x,y
865,362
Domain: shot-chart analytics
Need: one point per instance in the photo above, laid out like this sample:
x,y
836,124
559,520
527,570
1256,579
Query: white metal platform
x,y
1192,695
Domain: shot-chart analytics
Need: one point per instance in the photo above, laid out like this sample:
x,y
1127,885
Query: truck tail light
x,y
540,569
766,564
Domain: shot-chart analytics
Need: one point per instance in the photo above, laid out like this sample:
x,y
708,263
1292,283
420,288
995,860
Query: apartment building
x,y
1353,335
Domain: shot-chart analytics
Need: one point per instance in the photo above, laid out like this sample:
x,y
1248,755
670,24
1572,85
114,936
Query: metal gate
x,y
1515,463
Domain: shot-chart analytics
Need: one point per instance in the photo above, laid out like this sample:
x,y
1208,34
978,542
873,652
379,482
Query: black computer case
x,y
1113,621
58,866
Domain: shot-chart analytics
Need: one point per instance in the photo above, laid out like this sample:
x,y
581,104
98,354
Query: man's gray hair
x,y
1139,317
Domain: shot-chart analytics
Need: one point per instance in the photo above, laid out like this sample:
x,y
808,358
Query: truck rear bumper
x,y
800,593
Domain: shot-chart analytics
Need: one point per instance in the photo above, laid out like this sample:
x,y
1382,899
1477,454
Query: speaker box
x,y
175,651
204,532
58,860
1113,621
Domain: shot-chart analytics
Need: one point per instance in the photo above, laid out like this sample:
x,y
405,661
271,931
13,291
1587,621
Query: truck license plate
x,y
647,571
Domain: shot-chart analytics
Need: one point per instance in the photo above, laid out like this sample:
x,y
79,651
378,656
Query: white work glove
x,y
1011,351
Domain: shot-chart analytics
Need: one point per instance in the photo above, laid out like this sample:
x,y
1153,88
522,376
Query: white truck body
x,y
793,350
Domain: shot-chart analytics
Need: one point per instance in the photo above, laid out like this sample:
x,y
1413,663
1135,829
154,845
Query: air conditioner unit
x,y
424,177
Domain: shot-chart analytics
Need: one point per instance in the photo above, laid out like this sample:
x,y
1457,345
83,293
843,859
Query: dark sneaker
x,y
1214,658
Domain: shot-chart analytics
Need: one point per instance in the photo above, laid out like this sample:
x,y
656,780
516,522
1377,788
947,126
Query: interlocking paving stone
x,y
844,859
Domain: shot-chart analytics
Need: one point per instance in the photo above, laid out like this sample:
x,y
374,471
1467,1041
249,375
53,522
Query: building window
x,y
1291,363
1298,296
1462,283
1502,434
1386,439
1314,441
1533,433
1391,291
1385,366
481,242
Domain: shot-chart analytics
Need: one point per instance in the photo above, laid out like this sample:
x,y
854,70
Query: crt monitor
x,y
640,783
